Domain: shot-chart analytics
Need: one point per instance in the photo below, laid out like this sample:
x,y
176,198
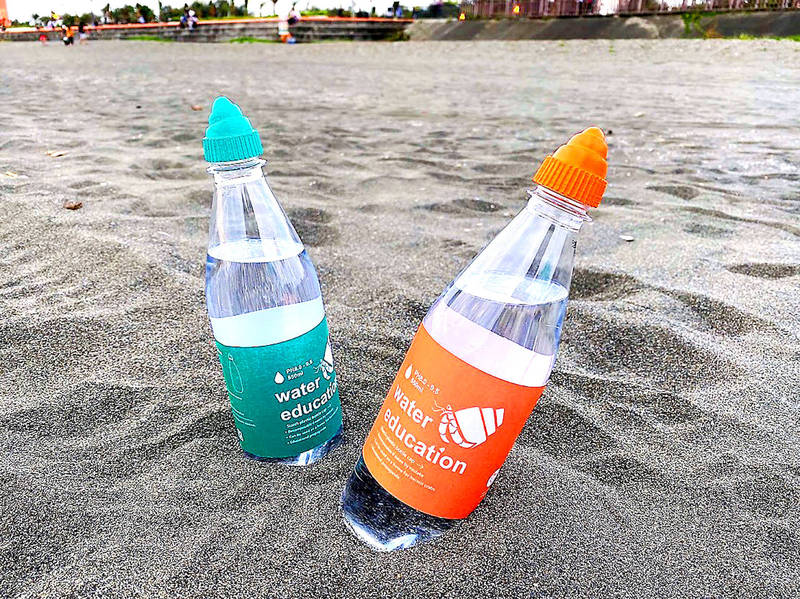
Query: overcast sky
x,y
23,9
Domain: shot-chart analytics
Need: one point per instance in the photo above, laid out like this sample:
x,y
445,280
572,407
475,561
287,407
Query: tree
x,y
145,11
124,14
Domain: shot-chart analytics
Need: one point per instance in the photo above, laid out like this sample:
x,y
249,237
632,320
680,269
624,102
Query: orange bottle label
x,y
444,430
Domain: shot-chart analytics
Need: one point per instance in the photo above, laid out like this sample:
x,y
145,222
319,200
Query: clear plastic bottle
x,y
499,322
265,306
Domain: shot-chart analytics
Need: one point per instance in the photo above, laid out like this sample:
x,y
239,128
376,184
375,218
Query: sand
x,y
664,457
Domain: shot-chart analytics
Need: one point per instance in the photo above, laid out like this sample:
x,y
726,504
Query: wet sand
x,y
664,457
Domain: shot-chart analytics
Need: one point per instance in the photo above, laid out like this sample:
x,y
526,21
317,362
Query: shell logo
x,y
325,366
469,427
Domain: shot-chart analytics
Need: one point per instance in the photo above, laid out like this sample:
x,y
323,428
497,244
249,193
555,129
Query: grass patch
x,y
691,23
398,36
693,28
149,38
749,38
252,40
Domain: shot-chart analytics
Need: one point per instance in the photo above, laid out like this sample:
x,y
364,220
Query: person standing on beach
x,y
82,35
294,16
67,35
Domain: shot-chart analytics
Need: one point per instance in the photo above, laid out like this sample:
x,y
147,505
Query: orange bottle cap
x,y
578,169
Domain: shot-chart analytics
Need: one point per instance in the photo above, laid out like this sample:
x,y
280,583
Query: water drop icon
x,y
408,371
279,378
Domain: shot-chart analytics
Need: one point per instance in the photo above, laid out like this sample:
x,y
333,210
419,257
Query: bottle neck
x,y
236,172
557,208
245,208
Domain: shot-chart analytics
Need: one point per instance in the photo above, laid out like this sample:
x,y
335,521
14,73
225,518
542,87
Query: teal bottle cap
x,y
230,136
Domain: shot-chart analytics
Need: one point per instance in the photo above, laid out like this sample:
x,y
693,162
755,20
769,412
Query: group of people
x,y
67,33
188,18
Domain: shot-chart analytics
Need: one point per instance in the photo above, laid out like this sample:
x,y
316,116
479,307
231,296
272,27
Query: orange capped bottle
x,y
477,365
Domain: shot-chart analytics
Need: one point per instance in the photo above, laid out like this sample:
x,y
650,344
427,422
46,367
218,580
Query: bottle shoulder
x,y
512,342
503,312
257,281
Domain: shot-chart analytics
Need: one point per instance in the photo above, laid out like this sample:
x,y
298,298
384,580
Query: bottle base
x,y
381,521
307,457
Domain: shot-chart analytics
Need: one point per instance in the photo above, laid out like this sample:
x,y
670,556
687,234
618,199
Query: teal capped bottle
x,y
265,306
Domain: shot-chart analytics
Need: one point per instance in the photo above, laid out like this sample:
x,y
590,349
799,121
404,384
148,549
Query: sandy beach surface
x,y
664,457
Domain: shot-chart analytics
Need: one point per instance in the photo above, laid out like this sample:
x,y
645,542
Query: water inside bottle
x,y
260,292
247,275
508,326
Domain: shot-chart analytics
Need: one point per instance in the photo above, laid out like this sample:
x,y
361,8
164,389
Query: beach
x,y
663,459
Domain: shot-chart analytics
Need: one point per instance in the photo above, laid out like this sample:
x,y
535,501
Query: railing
x,y
534,9
527,8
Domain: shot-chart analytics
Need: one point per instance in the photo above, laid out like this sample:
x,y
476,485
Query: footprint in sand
x,y
766,271
313,226
601,285
683,192
462,206
165,169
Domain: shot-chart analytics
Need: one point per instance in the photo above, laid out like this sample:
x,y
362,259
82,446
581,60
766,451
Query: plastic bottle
x,y
477,365
265,307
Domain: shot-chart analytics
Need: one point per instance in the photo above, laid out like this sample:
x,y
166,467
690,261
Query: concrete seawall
x,y
759,24
610,27
305,31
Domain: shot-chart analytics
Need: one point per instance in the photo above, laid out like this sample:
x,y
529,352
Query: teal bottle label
x,y
284,397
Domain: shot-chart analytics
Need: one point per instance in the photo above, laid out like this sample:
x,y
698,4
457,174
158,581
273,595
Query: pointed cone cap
x,y
230,136
578,168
